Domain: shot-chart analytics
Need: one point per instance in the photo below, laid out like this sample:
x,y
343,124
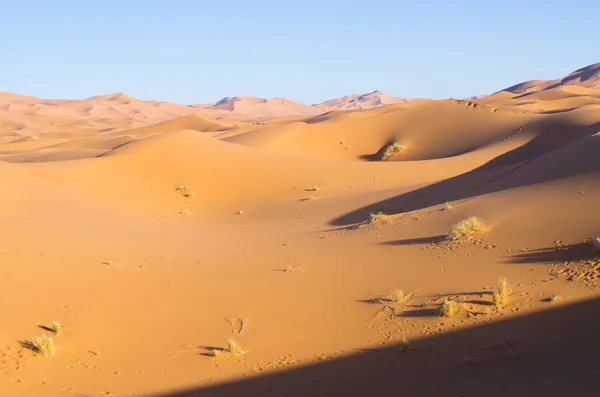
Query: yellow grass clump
x,y
400,297
377,217
185,191
216,353
449,308
44,345
234,347
465,229
55,327
501,295
389,150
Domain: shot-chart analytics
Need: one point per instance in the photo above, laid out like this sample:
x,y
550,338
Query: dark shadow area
x,y
45,328
542,159
26,344
429,312
565,253
550,353
478,302
415,241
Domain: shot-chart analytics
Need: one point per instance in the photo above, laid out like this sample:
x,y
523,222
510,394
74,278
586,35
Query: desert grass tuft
x,y
501,295
185,212
466,228
216,353
595,243
185,191
307,198
314,188
44,345
234,347
405,344
55,327
447,207
377,217
555,299
400,297
449,308
389,151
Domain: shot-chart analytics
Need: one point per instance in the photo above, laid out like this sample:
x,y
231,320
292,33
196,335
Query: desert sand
x,y
154,233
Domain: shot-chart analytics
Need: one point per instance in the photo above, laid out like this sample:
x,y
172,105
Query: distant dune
x,y
588,77
362,101
250,108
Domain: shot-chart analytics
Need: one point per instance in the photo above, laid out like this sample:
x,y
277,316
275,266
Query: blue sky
x,y
308,51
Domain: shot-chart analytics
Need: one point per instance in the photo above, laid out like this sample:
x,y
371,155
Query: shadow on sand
x,y
550,353
540,160
416,241
566,253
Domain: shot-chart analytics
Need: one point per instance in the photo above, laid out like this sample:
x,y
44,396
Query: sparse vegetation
x,y
216,352
447,207
389,150
400,297
185,191
465,229
308,198
185,212
555,299
595,243
501,295
43,344
449,308
427,303
312,189
234,347
405,345
55,327
377,217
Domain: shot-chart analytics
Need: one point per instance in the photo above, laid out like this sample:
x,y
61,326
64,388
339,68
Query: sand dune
x,y
249,108
363,101
587,77
154,233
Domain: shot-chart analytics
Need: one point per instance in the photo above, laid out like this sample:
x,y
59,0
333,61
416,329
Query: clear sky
x,y
308,51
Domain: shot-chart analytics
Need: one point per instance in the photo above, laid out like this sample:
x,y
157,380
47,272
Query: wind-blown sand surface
x,y
271,248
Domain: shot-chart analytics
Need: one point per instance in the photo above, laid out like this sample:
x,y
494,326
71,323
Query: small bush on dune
x,y
389,150
185,191
377,217
400,297
234,347
501,295
595,243
465,229
43,344
55,327
449,308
